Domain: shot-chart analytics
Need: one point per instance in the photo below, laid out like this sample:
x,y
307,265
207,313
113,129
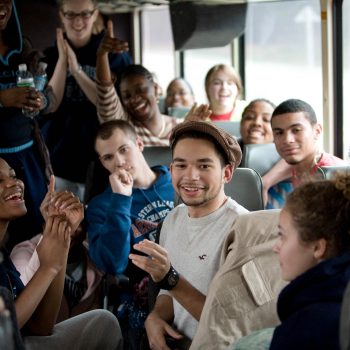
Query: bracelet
x,y
170,280
78,71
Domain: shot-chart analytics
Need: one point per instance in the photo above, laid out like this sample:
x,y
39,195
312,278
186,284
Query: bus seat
x,y
161,104
246,189
260,157
233,128
178,112
156,155
329,171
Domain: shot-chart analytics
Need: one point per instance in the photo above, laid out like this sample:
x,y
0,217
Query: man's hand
x,y
156,263
121,182
157,329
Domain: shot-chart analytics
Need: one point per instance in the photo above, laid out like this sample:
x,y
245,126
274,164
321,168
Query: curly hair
x,y
321,209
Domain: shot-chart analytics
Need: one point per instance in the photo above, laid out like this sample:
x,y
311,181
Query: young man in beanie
x,y
193,234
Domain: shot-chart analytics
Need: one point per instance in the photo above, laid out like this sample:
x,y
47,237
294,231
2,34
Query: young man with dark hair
x,y
193,234
296,133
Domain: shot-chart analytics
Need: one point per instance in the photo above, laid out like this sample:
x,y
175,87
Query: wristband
x,y
170,280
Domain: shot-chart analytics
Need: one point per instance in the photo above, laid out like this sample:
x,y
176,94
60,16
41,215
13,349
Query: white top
x,y
194,246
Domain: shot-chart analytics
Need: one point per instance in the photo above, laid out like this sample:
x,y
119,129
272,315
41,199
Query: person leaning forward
x,y
193,233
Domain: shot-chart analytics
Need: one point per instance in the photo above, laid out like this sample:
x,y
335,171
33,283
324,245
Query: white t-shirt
x,y
194,246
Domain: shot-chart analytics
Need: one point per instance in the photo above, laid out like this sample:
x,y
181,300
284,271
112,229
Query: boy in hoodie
x,y
137,200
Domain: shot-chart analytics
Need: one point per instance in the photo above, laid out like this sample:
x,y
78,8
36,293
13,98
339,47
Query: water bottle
x,y
40,78
25,79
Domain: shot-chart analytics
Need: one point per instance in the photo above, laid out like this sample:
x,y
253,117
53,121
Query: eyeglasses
x,y
83,15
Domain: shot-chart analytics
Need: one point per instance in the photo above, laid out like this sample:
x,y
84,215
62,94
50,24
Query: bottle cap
x,y
22,67
43,65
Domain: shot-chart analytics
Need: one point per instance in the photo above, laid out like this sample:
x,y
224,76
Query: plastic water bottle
x,y
40,78
25,79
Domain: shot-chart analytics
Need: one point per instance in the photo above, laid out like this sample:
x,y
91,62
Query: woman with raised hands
x,y
37,304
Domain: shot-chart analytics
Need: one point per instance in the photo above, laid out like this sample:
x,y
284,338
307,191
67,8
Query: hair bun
x,y
342,183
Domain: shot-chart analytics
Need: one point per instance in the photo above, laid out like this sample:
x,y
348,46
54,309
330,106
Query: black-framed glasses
x,y
70,15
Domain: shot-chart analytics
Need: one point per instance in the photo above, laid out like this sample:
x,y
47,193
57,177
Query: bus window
x,y
157,44
283,52
197,62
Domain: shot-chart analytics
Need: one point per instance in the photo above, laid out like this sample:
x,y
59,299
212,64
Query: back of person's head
x,y
229,71
179,87
296,106
225,145
106,130
321,209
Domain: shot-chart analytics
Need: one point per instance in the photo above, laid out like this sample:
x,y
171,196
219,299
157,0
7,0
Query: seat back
x,y
156,155
328,172
246,189
232,128
260,157
178,112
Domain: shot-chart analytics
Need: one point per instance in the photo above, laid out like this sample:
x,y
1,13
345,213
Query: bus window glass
x,y
197,62
157,44
346,82
283,52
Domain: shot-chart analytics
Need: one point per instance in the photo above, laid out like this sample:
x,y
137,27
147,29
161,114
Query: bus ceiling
x,y
196,24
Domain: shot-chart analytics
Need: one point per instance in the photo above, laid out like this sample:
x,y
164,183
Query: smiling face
x,y
295,256
199,177
78,17
5,13
138,95
120,152
295,138
11,194
179,94
222,92
256,123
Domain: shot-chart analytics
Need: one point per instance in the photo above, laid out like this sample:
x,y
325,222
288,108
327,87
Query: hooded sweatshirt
x,y
309,307
116,222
